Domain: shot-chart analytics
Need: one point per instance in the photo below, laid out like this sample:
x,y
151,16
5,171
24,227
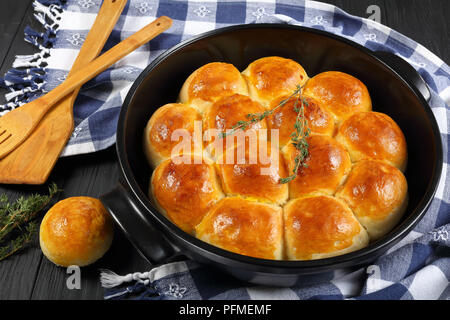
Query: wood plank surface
x,y
12,14
29,275
17,274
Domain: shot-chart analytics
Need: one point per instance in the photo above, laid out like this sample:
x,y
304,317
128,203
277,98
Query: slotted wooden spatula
x,y
32,161
18,124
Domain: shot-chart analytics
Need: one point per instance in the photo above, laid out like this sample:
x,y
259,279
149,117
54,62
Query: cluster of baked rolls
x,y
350,191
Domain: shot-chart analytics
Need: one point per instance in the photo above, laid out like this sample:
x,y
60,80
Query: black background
x,y
29,275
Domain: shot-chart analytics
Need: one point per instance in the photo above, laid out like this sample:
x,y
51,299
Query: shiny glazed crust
x,y
374,135
271,77
319,227
377,194
327,166
253,177
211,82
224,114
336,194
76,231
341,93
245,227
158,142
320,121
185,191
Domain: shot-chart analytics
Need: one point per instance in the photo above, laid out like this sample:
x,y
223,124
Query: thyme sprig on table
x,y
298,137
19,242
17,224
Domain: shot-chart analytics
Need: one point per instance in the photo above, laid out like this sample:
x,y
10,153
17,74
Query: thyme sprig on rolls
x,y
17,220
298,136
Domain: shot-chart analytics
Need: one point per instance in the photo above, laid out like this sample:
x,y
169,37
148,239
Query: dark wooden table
x,y
28,274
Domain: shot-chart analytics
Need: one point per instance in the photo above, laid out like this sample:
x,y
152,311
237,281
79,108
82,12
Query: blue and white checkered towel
x,y
416,268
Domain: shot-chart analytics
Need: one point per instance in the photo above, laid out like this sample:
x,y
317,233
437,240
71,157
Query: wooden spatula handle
x,y
104,61
104,23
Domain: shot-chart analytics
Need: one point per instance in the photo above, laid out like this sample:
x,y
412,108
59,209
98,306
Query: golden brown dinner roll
x,y
246,227
253,172
327,166
271,77
321,226
377,194
340,93
374,135
211,82
158,139
76,231
225,113
320,121
185,191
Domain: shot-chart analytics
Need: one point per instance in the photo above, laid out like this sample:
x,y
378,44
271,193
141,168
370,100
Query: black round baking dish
x,y
396,89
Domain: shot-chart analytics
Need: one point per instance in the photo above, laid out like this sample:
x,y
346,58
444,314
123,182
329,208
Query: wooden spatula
x,y
18,124
33,160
